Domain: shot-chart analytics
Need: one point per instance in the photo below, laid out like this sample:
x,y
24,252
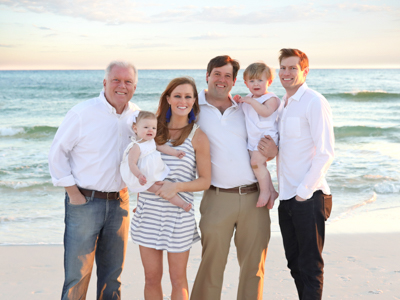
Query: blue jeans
x,y
303,232
97,229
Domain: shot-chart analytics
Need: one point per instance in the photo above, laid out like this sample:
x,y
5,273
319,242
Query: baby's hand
x,y
246,99
237,98
142,179
180,154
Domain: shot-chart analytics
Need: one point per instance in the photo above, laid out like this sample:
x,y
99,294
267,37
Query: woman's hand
x,y
168,189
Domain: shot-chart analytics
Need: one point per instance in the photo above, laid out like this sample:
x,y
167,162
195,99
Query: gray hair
x,y
123,64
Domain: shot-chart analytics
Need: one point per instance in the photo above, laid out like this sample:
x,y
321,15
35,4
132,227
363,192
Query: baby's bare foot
x,y
263,199
274,196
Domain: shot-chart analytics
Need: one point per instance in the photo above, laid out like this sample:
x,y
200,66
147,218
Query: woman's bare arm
x,y
201,147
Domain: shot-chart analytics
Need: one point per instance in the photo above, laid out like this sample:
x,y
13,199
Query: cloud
x,y
208,36
148,46
234,14
7,46
124,11
128,11
365,8
42,28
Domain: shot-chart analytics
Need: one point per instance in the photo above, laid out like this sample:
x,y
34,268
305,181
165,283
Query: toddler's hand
x,y
180,154
246,100
237,98
142,179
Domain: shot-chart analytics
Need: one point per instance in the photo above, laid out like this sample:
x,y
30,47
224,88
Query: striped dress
x,y
157,223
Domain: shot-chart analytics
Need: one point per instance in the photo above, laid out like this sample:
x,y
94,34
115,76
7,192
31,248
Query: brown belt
x,y
241,190
101,195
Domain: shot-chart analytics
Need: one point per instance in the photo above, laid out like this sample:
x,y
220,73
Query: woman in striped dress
x,y
157,224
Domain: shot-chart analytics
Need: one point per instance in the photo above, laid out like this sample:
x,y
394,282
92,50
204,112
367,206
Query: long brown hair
x,y
162,127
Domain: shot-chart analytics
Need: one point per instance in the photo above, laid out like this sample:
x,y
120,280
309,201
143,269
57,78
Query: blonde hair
x,y
256,70
143,114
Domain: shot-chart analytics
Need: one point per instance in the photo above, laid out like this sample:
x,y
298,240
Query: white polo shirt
x,y
306,144
88,146
230,160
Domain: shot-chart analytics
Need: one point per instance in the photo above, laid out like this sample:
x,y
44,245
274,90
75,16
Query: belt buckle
x,y
240,190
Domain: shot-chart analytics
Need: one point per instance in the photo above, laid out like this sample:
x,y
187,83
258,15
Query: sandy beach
x,y
357,266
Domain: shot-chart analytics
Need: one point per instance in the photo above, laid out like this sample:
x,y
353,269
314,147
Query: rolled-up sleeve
x,y
321,127
60,151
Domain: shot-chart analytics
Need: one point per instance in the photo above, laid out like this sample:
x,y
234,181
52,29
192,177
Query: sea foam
x,y
10,131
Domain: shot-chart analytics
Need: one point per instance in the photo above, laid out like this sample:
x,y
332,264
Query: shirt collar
x,y
300,92
203,100
111,109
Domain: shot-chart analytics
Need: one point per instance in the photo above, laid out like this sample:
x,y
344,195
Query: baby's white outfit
x,y
258,126
150,164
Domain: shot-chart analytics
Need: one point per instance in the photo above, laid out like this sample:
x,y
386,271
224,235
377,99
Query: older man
x,y
306,150
84,159
230,204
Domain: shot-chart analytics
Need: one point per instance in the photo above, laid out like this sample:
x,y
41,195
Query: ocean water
x,y
364,176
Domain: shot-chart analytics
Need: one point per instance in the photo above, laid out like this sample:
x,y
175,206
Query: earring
x,y
168,115
192,117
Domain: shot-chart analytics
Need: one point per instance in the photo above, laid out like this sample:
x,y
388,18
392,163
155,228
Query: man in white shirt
x,y
229,205
306,150
84,158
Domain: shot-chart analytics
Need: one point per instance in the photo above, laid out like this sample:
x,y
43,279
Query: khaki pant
x,y
221,213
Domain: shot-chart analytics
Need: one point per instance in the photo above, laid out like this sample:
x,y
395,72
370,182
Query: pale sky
x,y
87,34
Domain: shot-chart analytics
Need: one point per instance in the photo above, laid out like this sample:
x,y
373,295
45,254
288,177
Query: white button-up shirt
x,y
230,160
306,144
88,146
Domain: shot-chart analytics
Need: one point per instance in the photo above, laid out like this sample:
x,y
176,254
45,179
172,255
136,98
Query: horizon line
x,y
197,69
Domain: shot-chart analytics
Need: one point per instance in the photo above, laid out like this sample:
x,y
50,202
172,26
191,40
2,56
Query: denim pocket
x,y
327,205
72,204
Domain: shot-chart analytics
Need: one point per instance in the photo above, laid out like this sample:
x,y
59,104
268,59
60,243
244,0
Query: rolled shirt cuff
x,y
65,181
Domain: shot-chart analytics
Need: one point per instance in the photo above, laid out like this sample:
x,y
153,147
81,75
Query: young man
x,y
84,159
306,150
229,205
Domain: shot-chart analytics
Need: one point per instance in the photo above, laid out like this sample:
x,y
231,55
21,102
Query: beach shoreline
x,y
356,266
